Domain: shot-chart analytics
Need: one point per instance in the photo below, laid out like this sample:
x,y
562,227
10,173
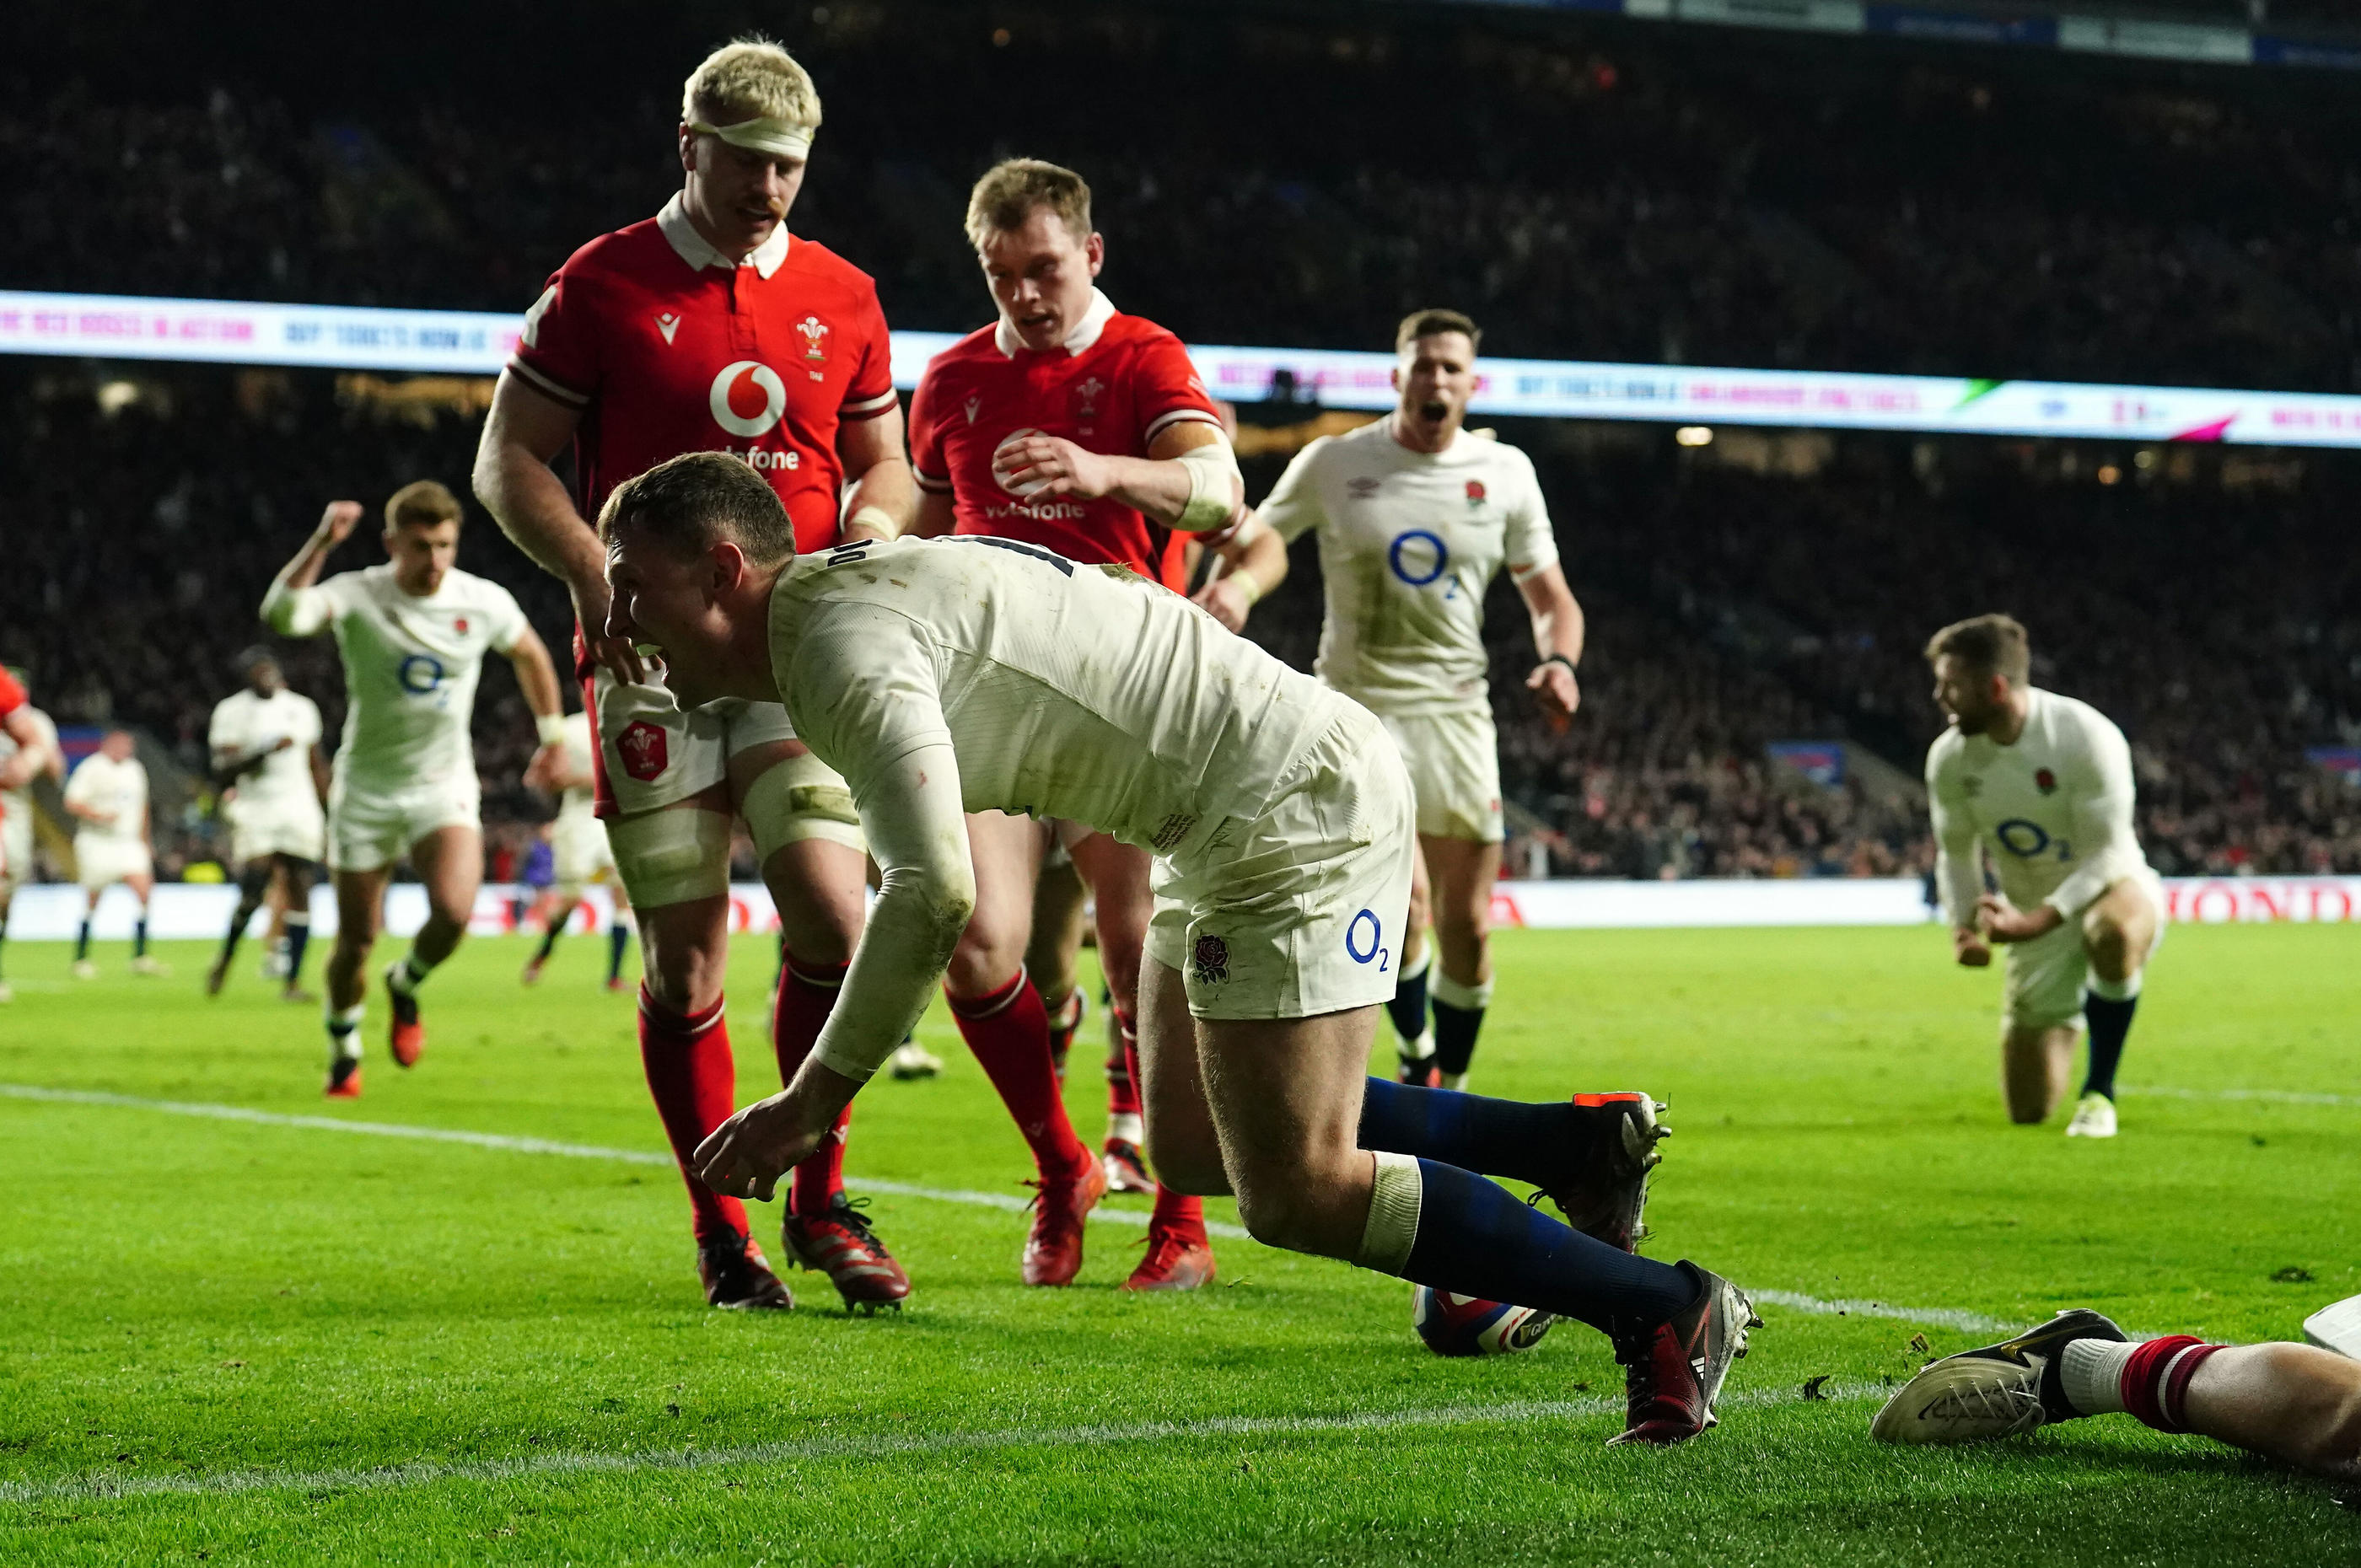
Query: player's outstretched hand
x,y
337,522
542,771
1225,601
746,1156
1969,949
1029,464
2003,921
1560,694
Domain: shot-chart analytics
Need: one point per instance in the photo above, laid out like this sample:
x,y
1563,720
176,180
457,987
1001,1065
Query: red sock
x,y
1174,1210
1010,1033
1123,1082
806,991
695,1084
2156,1379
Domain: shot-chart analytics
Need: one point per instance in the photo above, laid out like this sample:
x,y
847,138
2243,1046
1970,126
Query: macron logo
x,y
667,324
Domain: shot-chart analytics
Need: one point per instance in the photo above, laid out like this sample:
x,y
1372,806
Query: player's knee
x,y
1279,1214
1186,1169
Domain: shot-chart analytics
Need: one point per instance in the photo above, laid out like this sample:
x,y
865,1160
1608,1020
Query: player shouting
x,y
1068,424
1415,517
710,327
2043,784
265,744
952,675
412,634
29,749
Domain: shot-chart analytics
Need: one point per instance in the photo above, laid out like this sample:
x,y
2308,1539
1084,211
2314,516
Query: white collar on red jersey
x,y
693,249
1086,330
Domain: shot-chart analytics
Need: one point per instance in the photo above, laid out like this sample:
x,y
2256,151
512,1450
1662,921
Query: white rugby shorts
x,y
1299,912
2043,981
578,845
16,845
101,859
651,754
371,829
1455,769
285,831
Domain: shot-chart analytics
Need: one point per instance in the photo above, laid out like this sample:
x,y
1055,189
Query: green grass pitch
x,y
251,1340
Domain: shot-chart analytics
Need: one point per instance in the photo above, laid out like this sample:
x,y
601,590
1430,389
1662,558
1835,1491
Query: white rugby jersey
x,y
2053,812
1034,686
411,667
15,801
119,789
1409,542
579,802
245,726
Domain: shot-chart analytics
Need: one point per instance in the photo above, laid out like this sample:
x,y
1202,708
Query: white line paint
x,y
2269,1096
107,1485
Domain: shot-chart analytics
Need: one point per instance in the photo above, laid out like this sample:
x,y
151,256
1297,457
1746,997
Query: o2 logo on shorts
x,y
1363,941
1403,570
2026,840
1209,960
420,674
643,749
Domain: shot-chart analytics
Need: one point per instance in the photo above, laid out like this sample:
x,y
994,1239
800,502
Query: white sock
x,y
1455,1081
2091,1373
406,976
1125,1125
1420,1048
344,1031
2114,989
1392,1225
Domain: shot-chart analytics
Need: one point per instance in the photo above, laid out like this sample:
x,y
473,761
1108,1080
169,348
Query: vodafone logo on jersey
x,y
735,394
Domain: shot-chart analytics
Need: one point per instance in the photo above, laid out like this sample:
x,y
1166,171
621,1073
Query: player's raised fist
x,y
1029,464
1970,949
336,523
1559,692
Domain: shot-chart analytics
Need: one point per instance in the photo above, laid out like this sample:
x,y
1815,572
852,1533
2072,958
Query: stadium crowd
x,y
1680,196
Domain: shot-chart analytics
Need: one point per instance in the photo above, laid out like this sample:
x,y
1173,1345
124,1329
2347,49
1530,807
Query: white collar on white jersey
x,y
693,249
1086,330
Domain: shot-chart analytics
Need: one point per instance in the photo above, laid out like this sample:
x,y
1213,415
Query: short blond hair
x,y
1432,322
750,79
1995,644
1005,198
421,503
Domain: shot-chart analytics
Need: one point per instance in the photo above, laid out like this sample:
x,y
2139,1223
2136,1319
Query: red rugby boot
x,y
344,1079
841,1244
406,1037
1673,1372
1178,1259
1053,1253
737,1276
1603,1194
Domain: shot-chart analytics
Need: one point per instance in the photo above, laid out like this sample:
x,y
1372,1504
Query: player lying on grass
x,y
2042,784
944,677
2293,1402
414,633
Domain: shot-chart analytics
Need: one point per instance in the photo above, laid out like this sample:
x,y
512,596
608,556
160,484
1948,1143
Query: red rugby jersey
x,y
667,347
1114,384
12,696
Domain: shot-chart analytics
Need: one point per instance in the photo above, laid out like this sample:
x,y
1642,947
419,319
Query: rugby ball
x,y
1465,1325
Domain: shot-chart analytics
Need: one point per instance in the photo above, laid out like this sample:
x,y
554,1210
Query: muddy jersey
x,y
2052,812
1409,542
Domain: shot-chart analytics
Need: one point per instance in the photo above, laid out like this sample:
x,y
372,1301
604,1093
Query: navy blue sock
x,y
1476,1239
299,937
548,941
81,943
2109,1023
1455,1038
1498,1137
1408,1008
618,937
140,937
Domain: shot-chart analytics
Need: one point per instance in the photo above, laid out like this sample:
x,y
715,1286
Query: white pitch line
x,y
107,1484
2270,1096
1944,1317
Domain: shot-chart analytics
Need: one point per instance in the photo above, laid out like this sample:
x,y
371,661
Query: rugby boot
x,y
1126,1168
1604,1192
841,1244
1053,1253
344,1079
406,1036
737,1276
1177,1259
1419,1068
1673,1373
1999,1390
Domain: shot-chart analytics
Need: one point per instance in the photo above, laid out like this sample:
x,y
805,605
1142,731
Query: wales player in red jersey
x,y
710,327
1070,425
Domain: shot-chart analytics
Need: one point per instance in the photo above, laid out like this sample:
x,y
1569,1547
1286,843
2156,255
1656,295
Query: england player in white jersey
x,y
264,741
107,796
2042,784
414,633
952,675
1415,516
28,751
578,848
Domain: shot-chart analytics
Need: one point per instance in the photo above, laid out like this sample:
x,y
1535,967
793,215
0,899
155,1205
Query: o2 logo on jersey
x,y
727,397
420,674
1418,556
644,752
1364,938
2027,840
